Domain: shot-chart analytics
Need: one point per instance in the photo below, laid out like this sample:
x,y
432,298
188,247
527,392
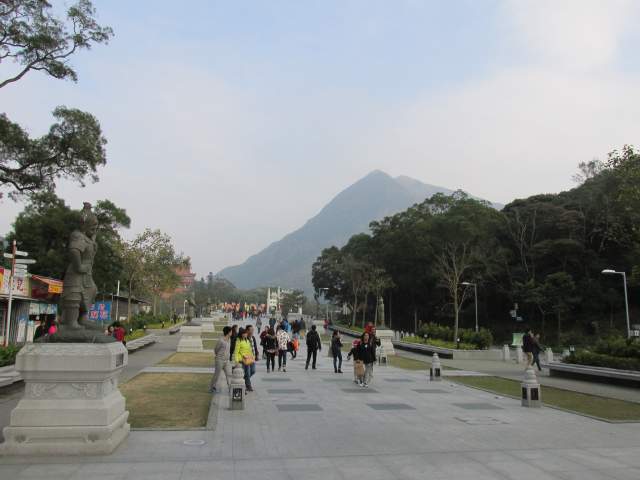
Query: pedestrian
x,y
283,345
336,351
258,324
366,353
234,338
303,328
253,341
536,349
527,347
272,322
271,348
354,353
314,345
119,333
243,355
222,363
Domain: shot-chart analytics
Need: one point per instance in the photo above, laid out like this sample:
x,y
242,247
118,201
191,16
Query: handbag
x,y
359,366
248,360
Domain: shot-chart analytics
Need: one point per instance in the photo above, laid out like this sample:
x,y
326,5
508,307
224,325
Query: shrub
x,y
602,360
619,347
8,355
440,343
482,339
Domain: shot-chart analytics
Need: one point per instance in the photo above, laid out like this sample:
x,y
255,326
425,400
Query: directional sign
x,y
8,255
25,261
21,254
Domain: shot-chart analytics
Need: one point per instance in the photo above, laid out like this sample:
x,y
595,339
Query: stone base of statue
x,y
207,324
385,337
71,403
190,340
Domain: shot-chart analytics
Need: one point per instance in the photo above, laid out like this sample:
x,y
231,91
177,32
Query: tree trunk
x,y
415,320
559,328
390,312
129,300
353,316
375,317
364,308
155,301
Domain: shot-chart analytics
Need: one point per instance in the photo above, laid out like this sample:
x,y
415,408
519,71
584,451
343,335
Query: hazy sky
x,y
230,123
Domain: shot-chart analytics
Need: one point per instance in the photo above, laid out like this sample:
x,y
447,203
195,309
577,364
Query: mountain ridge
x,y
287,262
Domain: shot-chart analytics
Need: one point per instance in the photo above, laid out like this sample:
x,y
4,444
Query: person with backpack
x,y
336,351
283,346
314,345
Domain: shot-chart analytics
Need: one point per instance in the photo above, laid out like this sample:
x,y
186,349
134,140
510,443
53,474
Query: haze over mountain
x,y
288,261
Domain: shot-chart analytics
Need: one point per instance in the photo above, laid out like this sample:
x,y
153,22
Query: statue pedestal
x,y
71,403
385,337
191,340
207,324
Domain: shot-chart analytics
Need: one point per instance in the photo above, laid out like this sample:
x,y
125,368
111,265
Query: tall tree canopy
x,y
36,40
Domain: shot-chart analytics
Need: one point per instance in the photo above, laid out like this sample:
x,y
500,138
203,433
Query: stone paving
x,y
317,424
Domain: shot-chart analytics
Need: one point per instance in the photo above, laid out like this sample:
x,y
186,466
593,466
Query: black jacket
x,y
270,342
233,346
366,352
336,346
527,343
313,341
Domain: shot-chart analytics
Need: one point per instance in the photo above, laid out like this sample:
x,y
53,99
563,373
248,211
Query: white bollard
x,y
435,372
236,390
531,392
506,353
548,355
519,355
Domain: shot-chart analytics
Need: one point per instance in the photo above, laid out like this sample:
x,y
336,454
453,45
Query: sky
x,y
231,123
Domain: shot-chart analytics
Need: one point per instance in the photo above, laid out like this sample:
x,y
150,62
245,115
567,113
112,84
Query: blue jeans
x,y
249,371
337,359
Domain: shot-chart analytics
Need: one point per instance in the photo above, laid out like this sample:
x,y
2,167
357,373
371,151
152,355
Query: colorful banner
x,y
20,284
100,312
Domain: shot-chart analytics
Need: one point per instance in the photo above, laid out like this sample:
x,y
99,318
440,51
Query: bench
x,y
138,343
587,372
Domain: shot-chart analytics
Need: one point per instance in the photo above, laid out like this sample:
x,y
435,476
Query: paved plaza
x,y
316,424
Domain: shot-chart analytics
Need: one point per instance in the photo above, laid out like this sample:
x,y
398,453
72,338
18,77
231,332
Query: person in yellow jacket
x,y
243,354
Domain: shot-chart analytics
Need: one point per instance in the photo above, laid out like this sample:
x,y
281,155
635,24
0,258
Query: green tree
x,y
36,40
292,301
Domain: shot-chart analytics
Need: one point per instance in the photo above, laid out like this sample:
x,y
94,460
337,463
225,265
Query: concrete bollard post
x,y
548,355
506,353
236,392
519,355
531,392
435,372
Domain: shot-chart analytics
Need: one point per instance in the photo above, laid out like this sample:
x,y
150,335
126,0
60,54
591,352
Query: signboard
x,y
100,312
20,284
36,308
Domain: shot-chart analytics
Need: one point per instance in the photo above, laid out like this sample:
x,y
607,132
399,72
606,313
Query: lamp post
x,y
609,271
184,310
325,298
475,296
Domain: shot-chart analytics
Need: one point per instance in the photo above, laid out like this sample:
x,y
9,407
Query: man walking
x,y
222,363
253,342
314,345
527,347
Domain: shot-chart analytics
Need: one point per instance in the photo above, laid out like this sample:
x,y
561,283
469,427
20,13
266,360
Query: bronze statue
x,y
79,290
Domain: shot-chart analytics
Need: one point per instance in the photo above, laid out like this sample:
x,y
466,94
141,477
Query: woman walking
x,y
243,355
366,353
270,349
283,345
336,351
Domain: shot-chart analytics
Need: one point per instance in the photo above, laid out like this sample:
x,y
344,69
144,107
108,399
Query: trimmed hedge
x,y
601,360
480,340
434,342
8,355
619,347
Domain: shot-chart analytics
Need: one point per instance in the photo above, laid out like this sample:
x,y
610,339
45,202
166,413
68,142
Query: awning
x,y
53,286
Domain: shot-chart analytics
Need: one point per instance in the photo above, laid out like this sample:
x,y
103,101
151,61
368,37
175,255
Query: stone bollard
x,y
531,393
548,355
435,372
236,390
519,355
506,353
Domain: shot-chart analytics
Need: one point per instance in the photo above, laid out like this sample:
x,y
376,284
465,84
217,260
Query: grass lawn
x,y
607,408
204,359
209,344
135,334
213,335
407,363
167,400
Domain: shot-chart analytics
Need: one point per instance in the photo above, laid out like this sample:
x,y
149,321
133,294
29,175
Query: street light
x,y
325,298
608,271
475,293
184,309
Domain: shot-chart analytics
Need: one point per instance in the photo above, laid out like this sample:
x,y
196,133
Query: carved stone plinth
x,y
207,324
386,336
191,339
71,403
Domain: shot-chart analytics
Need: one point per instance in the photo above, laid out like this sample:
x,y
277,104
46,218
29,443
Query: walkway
x,y
317,424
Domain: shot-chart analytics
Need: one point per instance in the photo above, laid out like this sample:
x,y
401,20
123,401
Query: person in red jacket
x,y
119,333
